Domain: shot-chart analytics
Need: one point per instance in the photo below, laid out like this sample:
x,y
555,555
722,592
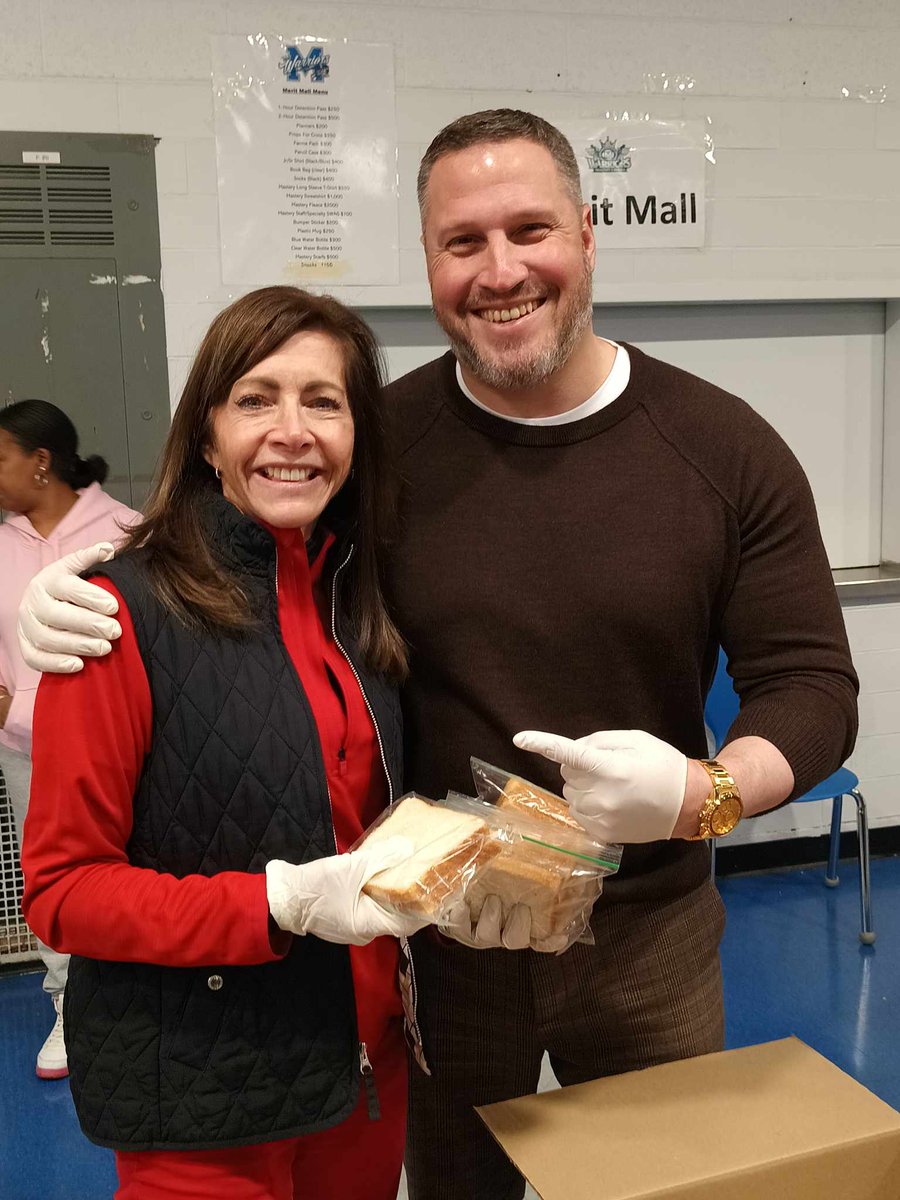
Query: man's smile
x,y
514,313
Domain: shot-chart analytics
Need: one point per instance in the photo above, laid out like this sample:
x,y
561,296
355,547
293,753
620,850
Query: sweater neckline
x,y
540,435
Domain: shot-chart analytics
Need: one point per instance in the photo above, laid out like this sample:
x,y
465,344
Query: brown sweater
x,y
581,577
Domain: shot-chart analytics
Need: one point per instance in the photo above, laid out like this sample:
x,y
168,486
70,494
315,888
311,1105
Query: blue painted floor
x,y
43,1154
792,960
793,964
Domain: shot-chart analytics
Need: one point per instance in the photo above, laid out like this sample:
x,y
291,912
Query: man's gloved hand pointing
x,y
622,785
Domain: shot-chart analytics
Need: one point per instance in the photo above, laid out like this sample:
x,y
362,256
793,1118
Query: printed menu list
x,y
315,195
306,147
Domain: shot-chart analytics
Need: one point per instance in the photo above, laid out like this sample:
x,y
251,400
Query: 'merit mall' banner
x,y
645,181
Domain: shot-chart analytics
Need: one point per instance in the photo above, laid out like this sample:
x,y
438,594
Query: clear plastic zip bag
x,y
547,862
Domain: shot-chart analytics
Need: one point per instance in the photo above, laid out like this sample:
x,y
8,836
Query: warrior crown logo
x,y
608,156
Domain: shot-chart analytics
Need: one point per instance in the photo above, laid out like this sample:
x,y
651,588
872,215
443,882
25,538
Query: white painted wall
x,y
804,200
805,197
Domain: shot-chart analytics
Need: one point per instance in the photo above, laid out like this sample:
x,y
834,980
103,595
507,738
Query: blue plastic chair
x,y
721,709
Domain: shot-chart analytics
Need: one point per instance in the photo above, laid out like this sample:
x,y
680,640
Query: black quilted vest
x,y
214,1056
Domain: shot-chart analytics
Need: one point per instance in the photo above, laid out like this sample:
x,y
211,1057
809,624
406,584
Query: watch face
x,y
726,816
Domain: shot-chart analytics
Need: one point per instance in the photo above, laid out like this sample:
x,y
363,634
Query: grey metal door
x,y
60,341
81,314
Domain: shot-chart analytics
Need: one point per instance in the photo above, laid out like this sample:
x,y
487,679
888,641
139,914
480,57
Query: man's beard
x,y
530,371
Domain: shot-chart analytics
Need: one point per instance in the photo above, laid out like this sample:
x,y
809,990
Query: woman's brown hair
x,y
182,570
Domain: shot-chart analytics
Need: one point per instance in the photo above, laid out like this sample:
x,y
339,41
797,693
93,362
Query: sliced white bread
x,y
541,879
448,847
536,802
548,882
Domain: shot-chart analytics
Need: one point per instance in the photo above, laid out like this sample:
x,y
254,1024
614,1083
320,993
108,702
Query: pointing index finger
x,y
554,746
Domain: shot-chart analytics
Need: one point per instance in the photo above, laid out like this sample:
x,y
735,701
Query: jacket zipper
x,y
404,941
365,1066
368,1079
367,1075
337,642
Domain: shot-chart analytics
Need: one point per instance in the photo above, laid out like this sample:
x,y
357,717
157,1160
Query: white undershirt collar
x,y
610,389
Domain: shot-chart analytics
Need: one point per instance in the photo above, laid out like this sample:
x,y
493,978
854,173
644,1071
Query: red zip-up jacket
x,y
91,734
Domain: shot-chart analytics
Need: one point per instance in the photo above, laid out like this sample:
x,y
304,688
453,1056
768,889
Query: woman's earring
x,y
41,478
218,473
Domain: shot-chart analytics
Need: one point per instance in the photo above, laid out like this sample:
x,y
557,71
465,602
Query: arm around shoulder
x,y
82,895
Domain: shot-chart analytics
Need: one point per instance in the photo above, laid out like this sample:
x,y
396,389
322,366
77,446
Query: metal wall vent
x,y
51,205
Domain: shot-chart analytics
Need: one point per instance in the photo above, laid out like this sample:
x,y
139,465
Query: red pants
x,y
359,1159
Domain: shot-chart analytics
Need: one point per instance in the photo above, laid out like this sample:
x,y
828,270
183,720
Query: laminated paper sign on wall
x,y
645,181
776,1120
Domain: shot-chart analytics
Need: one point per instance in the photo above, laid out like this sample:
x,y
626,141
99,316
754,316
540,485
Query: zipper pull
x,y
342,761
368,1078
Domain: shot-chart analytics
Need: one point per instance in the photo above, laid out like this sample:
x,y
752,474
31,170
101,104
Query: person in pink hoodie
x,y
52,503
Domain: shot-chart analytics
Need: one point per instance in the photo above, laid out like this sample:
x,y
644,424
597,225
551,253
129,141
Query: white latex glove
x,y
62,616
622,785
490,932
326,897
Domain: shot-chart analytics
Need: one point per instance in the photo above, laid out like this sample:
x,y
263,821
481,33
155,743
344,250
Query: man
x,y
582,527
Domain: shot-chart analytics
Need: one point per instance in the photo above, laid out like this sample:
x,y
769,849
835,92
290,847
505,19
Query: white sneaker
x,y
51,1059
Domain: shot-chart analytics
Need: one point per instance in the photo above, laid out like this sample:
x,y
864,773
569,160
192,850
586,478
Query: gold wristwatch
x,y
722,808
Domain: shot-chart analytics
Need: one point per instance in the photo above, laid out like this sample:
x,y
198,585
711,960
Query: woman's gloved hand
x,y
622,785
62,617
326,897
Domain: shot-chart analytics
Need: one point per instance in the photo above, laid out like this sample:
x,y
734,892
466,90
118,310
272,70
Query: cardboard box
x,y
770,1122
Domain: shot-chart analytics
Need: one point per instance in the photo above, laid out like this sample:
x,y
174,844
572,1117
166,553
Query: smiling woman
x,y
197,791
282,443
283,380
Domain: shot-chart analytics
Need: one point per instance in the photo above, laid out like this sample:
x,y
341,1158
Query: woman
x,y
54,504
219,1028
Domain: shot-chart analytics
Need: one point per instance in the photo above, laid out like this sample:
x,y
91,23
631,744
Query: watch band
x,y
722,808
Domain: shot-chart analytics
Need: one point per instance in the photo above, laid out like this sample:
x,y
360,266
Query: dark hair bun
x,y
92,469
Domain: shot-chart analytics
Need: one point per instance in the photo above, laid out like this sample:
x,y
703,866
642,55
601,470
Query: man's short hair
x,y
501,125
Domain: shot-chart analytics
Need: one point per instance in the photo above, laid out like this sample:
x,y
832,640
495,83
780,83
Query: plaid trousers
x,y
649,991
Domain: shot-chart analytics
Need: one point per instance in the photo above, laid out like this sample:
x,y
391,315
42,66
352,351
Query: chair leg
x,y
867,933
834,846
